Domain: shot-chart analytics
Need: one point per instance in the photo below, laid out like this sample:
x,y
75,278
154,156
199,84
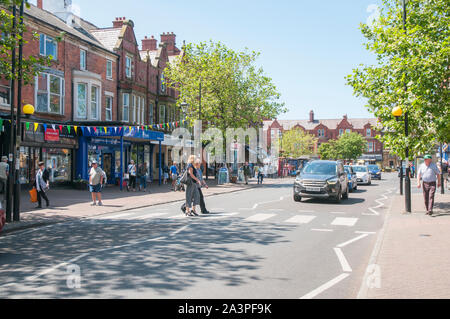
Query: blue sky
x,y
307,47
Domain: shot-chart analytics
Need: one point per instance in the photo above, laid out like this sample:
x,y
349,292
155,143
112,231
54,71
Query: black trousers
x,y
43,195
202,202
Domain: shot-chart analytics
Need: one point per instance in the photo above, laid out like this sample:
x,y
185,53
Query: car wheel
x,y
370,182
297,198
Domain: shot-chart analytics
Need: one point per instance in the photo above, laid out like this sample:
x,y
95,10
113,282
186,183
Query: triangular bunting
x,y
27,125
36,126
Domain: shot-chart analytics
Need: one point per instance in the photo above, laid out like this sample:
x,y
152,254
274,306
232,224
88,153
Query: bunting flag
x,y
53,126
105,129
68,128
36,126
60,128
95,129
1,124
45,127
75,127
27,125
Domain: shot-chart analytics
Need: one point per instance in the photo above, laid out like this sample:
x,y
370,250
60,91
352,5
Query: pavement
x,y
67,204
413,256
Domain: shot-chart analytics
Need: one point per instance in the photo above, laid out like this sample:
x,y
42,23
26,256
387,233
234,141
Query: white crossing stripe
x,y
116,216
344,221
148,216
220,216
259,217
301,219
320,229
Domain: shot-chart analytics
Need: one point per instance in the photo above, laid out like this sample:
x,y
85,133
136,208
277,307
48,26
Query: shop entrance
x,y
107,166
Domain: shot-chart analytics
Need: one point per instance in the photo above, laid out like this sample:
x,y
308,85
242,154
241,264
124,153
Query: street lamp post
x,y
442,171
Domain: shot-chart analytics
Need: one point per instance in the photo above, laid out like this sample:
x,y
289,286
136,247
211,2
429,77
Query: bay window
x,y
94,103
81,101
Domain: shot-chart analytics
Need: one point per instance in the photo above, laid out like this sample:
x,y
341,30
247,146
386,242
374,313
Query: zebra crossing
x,y
302,218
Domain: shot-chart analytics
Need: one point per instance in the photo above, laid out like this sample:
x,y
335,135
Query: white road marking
x,y
300,219
344,263
148,216
276,210
320,229
325,286
221,216
337,213
115,216
352,240
179,230
305,211
365,232
179,216
259,217
344,221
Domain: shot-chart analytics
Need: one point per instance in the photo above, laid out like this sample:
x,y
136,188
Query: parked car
x,y
362,174
2,217
322,179
375,171
352,182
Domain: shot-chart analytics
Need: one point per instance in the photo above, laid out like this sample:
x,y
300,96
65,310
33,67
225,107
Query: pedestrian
x,y
173,174
4,172
165,174
41,186
95,183
143,171
445,170
199,174
132,171
192,193
247,172
428,172
260,176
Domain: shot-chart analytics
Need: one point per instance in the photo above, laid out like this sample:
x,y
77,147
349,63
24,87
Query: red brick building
x,y
331,129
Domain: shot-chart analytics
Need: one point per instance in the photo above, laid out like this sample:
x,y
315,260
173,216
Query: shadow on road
x,y
212,251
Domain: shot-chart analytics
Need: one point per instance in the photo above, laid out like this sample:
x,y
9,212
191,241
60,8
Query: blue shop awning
x,y
125,131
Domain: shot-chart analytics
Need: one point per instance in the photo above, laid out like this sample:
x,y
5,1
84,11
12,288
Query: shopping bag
x,y
33,195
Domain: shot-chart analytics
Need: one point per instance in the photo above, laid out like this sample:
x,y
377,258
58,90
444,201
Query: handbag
x,y
185,178
33,195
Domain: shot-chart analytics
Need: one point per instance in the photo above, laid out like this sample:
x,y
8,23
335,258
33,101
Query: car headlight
x,y
299,181
332,181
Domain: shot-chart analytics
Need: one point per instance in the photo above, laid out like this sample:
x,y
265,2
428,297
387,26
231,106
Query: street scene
x,y
209,164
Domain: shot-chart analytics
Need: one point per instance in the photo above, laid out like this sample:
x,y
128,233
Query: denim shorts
x,y
95,188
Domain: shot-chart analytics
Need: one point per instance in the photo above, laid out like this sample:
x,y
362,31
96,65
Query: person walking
x,y
192,193
173,174
143,171
199,174
95,183
41,186
260,176
247,172
132,172
4,172
165,174
429,173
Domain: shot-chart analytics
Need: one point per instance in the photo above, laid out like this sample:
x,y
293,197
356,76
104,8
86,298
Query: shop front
x,y
113,149
55,147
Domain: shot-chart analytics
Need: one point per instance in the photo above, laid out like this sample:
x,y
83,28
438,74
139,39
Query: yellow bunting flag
x,y
105,129
75,127
36,126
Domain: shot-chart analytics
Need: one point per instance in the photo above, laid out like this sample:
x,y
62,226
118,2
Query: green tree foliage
x,y
235,93
328,151
297,143
349,146
418,60
10,38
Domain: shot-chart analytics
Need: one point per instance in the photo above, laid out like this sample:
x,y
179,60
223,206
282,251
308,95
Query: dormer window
x,y
368,132
128,66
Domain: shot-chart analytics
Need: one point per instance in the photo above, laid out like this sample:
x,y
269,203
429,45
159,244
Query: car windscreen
x,y
360,169
320,168
373,167
347,169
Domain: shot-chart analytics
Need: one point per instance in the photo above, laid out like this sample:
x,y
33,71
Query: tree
x,y
329,151
297,143
10,38
350,146
234,92
413,72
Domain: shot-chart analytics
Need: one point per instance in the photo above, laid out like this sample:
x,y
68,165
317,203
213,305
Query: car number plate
x,y
313,189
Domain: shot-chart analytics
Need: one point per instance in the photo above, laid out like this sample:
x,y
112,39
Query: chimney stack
x,y
311,116
149,44
118,23
169,40
40,4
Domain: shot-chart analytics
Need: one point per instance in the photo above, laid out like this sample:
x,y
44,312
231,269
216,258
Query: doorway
x,y
107,166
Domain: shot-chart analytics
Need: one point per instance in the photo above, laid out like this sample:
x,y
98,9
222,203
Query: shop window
x,y
59,162
50,93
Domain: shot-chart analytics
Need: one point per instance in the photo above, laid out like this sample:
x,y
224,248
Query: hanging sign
x,y
51,135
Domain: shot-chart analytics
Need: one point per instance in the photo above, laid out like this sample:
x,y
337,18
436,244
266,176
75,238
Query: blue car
x,y
352,182
375,171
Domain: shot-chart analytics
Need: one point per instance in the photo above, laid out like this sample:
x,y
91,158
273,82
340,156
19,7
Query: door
x,y
107,165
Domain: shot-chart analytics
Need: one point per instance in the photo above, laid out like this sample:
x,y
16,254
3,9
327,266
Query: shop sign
x,y
52,135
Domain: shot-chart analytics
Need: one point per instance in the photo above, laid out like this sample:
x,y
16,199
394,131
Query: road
x,y
257,243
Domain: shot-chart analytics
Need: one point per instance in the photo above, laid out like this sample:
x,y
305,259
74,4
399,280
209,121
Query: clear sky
x,y
307,46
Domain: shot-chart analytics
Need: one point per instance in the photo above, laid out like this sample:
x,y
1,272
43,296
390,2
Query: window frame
x,y
127,106
368,132
151,113
46,38
86,104
128,68
83,67
8,104
96,89
49,93
109,62
108,107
